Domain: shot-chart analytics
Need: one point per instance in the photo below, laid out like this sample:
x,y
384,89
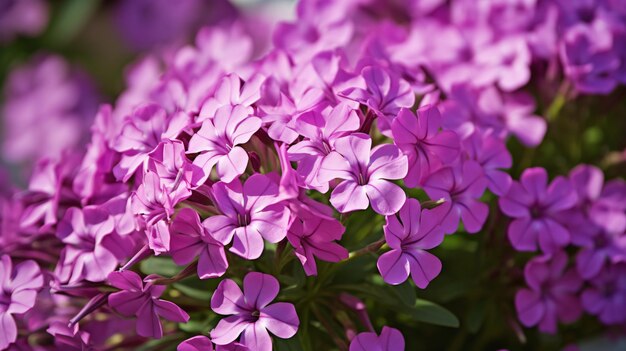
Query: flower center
x,y
362,180
243,219
5,300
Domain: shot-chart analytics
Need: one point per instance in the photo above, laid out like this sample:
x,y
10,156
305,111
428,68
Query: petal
x,y
394,267
391,339
552,236
170,311
280,319
271,224
259,289
126,302
222,228
148,323
474,215
256,338
27,276
22,301
244,130
365,342
247,243
516,202
386,198
260,191
349,196
228,298
197,343
387,162
530,310
523,235
212,262
333,166
8,330
424,267
535,182
560,195
232,165
228,330
355,148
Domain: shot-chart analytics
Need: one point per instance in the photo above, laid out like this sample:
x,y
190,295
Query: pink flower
x,y
314,236
537,209
366,175
250,313
142,300
18,292
552,294
92,248
390,339
491,153
189,239
218,140
321,129
409,236
461,187
249,214
426,147
230,92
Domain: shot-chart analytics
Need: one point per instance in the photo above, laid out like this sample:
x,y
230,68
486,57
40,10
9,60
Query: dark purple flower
x,y
606,297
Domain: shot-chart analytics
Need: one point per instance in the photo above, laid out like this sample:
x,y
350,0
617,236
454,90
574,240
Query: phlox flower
x,y
18,293
390,339
366,175
142,301
231,91
491,153
537,209
409,235
606,297
250,313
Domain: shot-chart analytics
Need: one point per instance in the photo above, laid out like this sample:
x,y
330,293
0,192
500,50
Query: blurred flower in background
x,y
22,17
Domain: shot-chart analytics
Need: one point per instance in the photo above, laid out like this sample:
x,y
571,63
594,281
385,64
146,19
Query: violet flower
x,y
606,296
367,173
190,239
461,187
491,153
250,313
390,339
551,293
426,147
409,235
142,301
249,214
218,142
18,292
537,208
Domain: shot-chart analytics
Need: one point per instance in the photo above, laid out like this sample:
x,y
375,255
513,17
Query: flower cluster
x,y
217,157
581,211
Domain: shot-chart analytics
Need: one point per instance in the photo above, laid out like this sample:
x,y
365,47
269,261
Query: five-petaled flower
x,y
251,314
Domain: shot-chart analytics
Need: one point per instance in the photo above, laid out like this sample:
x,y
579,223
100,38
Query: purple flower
x,y
18,292
606,297
142,300
176,173
426,147
321,130
366,175
491,153
249,214
384,92
230,92
218,142
250,313
600,248
390,339
537,209
409,235
141,133
460,186
505,62
312,235
189,239
153,203
551,296
92,248
22,17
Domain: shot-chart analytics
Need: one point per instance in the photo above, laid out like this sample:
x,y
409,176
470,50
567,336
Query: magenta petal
x,y
280,319
387,163
212,262
256,337
127,302
228,298
148,323
260,289
349,196
8,330
247,243
391,339
474,216
529,307
522,235
232,165
394,267
196,343
424,267
386,198
367,341
228,329
170,311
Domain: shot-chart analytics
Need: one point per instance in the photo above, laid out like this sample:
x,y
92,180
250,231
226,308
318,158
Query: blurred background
x,y
59,59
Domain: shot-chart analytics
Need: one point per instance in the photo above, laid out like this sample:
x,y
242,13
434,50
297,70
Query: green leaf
x,y
429,312
405,292
291,344
159,265
193,292
70,19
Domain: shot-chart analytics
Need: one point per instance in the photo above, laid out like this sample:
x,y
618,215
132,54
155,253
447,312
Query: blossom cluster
x,y
219,155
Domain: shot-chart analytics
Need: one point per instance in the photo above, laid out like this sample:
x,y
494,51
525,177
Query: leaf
x,y
429,312
405,292
193,292
476,316
159,265
70,19
291,344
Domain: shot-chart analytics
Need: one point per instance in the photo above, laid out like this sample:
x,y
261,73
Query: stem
x,y
341,344
371,248
186,272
